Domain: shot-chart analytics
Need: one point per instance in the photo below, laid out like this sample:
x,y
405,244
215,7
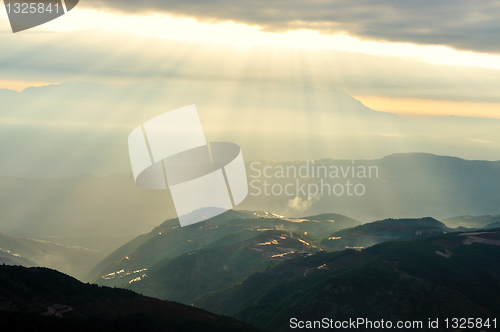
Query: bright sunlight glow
x,y
184,29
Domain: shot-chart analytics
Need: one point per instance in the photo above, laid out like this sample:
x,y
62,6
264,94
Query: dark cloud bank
x,y
471,25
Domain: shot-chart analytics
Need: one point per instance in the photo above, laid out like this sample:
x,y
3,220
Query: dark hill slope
x,y
26,293
440,277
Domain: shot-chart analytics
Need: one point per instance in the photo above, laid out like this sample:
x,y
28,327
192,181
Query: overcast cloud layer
x,y
115,58
470,25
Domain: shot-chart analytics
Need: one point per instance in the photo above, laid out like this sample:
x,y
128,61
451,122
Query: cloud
x,y
298,204
109,57
470,25
478,140
82,127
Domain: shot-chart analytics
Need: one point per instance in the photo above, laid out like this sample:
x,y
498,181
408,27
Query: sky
x,y
286,80
414,58
275,77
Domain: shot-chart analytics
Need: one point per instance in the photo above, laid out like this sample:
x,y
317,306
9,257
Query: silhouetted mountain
x,y
492,225
449,275
31,297
103,213
369,234
286,122
29,252
471,221
100,213
400,186
169,241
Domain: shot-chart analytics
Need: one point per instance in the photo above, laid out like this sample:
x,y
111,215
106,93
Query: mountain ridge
x,y
30,296
30,252
144,251
396,280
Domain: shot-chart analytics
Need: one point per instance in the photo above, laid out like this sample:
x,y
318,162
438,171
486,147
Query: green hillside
x,y
194,274
440,277
369,234
169,241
